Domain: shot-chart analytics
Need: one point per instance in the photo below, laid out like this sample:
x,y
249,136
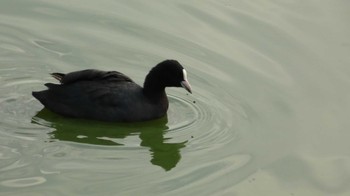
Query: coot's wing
x,y
92,94
90,75
101,100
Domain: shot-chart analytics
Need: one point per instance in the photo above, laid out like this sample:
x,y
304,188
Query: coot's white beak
x,y
185,84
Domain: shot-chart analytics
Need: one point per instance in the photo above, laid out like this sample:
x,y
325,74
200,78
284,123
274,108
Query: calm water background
x,y
269,114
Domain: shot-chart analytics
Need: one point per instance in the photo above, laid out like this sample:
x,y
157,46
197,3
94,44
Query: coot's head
x,y
168,73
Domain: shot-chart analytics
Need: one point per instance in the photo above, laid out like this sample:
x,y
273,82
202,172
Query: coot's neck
x,y
153,92
153,86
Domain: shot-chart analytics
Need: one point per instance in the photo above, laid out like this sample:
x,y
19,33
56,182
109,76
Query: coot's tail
x,y
45,95
41,96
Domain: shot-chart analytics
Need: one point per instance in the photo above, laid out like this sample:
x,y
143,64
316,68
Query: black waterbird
x,y
113,96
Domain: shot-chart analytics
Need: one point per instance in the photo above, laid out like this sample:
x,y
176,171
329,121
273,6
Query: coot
x,y
113,96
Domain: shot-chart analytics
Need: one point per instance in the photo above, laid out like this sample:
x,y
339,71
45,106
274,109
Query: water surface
x,y
268,116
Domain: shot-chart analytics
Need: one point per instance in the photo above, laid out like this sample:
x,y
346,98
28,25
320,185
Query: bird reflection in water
x,y
151,133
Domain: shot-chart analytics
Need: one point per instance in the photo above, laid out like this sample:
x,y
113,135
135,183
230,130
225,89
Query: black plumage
x,y
111,95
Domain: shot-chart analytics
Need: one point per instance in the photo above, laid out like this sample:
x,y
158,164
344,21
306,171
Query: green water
x,y
268,114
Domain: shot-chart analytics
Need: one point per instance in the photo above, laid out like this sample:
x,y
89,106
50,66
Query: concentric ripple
x,y
202,119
